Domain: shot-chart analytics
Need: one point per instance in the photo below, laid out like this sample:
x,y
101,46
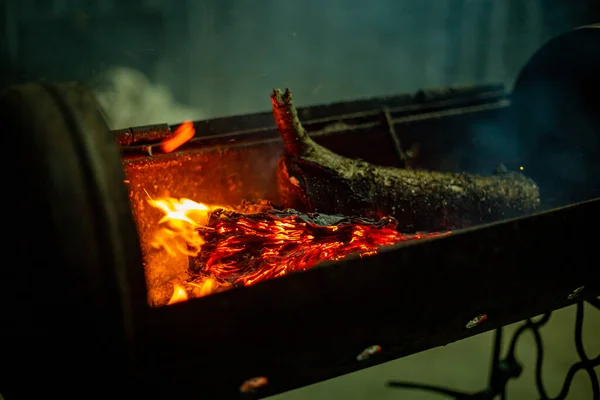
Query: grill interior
x,y
227,166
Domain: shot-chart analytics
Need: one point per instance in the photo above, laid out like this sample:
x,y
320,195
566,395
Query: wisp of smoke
x,y
128,98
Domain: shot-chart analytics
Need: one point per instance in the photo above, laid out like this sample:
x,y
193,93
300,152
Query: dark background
x,y
223,56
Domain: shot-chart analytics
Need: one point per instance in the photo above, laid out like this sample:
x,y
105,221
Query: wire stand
x,y
507,368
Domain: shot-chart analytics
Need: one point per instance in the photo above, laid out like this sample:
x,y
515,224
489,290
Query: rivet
x,y
575,292
252,384
476,321
368,352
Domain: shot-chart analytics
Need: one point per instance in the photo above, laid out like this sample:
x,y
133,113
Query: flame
x,y
204,287
177,228
179,295
229,248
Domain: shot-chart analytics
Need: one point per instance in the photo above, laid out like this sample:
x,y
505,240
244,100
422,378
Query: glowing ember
x,y
248,248
180,136
229,248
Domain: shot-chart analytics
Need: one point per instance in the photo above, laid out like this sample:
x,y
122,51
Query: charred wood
x,y
242,249
312,178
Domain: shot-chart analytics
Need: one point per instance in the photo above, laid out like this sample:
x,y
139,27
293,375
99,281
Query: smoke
x,y
128,98
347,49
184,59
490,147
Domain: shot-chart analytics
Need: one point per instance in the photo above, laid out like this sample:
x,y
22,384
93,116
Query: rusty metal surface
x,y
141,134
308,327
370,121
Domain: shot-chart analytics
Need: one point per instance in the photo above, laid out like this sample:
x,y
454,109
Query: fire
x,y
228,248
177,228
243,249
179,295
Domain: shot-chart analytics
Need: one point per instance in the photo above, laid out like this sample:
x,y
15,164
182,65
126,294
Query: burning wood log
x,y
312,178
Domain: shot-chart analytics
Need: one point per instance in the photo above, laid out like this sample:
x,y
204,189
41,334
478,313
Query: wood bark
x,y
312,178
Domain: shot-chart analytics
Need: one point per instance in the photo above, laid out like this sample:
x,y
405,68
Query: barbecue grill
x,y
79,318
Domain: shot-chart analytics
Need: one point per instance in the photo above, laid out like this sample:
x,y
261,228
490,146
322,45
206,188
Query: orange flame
x,y
179,295
177,228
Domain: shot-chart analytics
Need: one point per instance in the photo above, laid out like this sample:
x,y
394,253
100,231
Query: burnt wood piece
x,y
313,178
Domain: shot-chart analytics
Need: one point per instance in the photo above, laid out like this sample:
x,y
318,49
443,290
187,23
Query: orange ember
x,y
228,248
182,134
248,248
